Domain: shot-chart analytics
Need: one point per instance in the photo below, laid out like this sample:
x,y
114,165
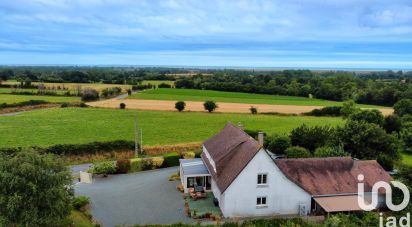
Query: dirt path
x,y
198,106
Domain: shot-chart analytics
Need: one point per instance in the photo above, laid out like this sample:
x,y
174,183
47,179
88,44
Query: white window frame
x,y
261,205
262,184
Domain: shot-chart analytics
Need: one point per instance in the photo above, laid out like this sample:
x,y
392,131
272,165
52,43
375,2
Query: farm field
x,y
157,82
82,125
231,97
10,98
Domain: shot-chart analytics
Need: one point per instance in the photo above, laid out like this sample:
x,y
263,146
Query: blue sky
x,y
277,33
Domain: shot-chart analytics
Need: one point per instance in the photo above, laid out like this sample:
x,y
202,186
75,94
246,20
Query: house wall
x,y
283,196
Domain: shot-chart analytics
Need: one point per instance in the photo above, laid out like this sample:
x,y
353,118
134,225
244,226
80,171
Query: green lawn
x,y
233,97
82,125
10,98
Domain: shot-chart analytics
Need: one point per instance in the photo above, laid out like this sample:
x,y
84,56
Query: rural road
x,y
167,105
136,198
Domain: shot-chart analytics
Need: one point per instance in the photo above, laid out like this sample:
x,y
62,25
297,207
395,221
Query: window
x,y
261,201
262,179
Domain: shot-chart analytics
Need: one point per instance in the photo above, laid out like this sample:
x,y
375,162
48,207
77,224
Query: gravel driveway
x,y
138,198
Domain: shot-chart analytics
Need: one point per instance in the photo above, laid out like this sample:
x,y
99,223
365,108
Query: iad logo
x,y
391,221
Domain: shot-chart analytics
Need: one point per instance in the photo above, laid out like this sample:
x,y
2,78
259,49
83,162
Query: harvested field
x,y
198,106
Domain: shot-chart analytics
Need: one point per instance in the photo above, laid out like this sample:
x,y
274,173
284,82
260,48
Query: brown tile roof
x,y
326,176
231,150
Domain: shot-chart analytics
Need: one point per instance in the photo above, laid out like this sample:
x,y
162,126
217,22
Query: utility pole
x,y
141,141
136,139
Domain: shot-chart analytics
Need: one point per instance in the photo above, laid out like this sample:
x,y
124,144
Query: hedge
x,y
25,103
332,111
171,159
90,148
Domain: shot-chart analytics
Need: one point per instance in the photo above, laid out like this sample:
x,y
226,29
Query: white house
x,y
247,181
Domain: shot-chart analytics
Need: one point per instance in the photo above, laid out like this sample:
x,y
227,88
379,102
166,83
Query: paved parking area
x,y
138,198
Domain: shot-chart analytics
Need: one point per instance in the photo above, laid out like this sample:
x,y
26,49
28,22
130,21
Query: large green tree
x,y
403,107
35,189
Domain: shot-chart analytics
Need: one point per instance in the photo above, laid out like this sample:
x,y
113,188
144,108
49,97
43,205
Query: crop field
x,y
82,125
10,98
230,97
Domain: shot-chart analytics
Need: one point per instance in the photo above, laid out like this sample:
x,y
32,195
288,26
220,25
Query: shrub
x,y
129,92
147,164
25,103
83,105
252,133
180,105
210,106
135,165
164,85
330,152
80,202
64,105
332,111
103,168
171,159
348,108
370,116
297,152
122,106
89,94
157,162
253,110
278,144
123,166
189,155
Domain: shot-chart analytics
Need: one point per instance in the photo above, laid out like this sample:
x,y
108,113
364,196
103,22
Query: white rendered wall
x,y
283,196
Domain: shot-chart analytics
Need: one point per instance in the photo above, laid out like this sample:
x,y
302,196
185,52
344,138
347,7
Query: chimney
x,y
261,137
240,125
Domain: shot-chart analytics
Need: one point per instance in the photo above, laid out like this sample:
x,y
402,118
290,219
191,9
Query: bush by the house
x,y
278,143
297,152
210,106
80,202
90,148
135,165
103,168
189,155
252,133
123,166
89,94
180,105
152,163
332,111
171,159
122,105
253,110
330,152
157,162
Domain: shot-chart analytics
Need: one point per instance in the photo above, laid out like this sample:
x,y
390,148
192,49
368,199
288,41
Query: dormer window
x,y
262,179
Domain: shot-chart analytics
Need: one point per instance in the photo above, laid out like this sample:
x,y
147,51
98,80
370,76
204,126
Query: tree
x,y
348,108
403,107
122,105
297,152
311,137
336,151
89,95
370,116
367,141
35,189
278,144
180,106
406,136
393,123
210,106
253,110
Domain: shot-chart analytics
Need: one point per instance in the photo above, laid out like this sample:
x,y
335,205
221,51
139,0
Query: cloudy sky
x,y
277,33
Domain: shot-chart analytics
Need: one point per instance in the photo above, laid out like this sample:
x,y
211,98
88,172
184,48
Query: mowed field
x,y
83,125
10,98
